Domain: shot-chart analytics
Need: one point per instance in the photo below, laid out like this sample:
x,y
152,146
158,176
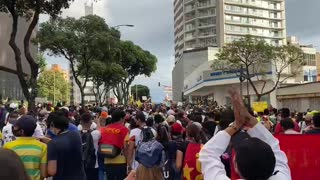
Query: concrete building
x,y
300,97
57,68
309,71
9,83
206,25
318,65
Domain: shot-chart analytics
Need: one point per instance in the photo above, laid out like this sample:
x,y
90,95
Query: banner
x,y
260,106
303,156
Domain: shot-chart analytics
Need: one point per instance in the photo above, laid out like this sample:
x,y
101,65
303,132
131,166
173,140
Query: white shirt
x,y
38,132
291,131
213,169
92,127
7,133
96,135
136,133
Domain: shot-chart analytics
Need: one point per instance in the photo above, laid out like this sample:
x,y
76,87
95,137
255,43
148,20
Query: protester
x,y
188,154
249,164
307,124
316,125
32,152
7,134
114,138
285,114
12,168
288,126
65,160
90,139
136,137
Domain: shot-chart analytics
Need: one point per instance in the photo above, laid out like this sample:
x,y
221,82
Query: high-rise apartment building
x,y
207,25
212,23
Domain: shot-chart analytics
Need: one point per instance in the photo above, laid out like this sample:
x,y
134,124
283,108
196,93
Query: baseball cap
x,y
104,114
149,154
177,128
27,123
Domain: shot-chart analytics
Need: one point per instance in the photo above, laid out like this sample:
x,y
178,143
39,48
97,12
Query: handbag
x,y
109,151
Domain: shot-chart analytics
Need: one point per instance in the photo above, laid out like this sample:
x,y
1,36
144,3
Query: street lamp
x,y
121,25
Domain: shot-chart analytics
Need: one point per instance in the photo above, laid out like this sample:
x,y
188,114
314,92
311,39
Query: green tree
x,y
258,60
30,10
137,91
53,86
105,77
41,60
81,41
135,61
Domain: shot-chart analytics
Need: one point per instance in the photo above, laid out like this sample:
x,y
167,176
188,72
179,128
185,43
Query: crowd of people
x,y
147,142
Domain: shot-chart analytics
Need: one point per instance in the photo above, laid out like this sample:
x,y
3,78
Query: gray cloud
x,y
302,20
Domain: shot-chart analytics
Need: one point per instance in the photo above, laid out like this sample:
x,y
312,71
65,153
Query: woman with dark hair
x,y
11,166
188,153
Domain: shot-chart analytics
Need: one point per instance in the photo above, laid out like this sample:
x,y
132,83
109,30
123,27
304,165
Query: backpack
x,y
88,151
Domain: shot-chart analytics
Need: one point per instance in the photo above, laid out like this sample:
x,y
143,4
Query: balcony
x,y
256,5
188,1
205,5
206,34
255,33
254,24
206,15
205,25
189,18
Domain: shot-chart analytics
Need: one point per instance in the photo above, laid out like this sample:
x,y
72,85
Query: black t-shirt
x,y
313,131
66,149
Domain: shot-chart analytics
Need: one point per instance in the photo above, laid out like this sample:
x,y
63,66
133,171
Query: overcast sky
x,y
153,31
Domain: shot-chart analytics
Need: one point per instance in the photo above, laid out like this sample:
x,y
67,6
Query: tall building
x,y
204,26
9,83
58,68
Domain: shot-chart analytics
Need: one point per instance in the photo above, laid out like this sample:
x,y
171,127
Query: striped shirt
x,y
32,152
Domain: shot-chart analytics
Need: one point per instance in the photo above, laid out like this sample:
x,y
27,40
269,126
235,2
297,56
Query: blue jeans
x,y
102,169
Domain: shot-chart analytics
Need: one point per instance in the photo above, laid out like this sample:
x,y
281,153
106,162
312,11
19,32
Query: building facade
x,y
309,70
210,24
9,83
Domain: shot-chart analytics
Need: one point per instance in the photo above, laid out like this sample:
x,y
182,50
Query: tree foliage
x,y
82,42
260,59
141,90
135,61
53,86
30,10
105,77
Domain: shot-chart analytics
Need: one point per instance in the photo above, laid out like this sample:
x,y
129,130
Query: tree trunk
x,y
33,65
259,98
17,53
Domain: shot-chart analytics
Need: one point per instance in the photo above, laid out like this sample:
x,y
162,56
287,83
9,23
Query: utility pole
x,y
54,87
136,92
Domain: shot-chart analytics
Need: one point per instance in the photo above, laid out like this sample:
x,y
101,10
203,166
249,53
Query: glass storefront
x,y
10,87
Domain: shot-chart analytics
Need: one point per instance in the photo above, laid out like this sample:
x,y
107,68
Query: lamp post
x,y
121,25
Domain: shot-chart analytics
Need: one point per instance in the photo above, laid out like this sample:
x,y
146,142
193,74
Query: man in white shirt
x,y
7,133
258,157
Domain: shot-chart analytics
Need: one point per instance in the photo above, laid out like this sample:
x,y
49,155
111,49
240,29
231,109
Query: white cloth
x,y
96,135
291,131
213,169
38,132
92,127
7,134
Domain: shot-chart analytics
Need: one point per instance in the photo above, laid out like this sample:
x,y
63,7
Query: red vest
x,y
191,164
114,134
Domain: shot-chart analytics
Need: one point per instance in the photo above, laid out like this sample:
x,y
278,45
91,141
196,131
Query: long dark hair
x,y
194,132
11,166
